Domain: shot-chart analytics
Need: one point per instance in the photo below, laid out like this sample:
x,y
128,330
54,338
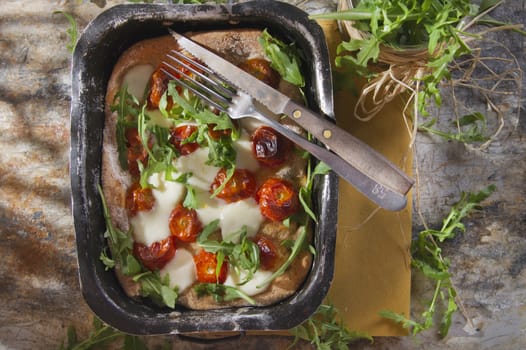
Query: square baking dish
x,y
97,50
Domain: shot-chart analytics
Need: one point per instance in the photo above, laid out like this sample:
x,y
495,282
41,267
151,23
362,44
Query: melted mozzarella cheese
x,y
181,270
244,158
153,225
157,118
202,174
253,286
232,216
136,79
238,214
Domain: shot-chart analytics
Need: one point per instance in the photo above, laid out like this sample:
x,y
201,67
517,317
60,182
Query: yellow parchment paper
x,y
372,269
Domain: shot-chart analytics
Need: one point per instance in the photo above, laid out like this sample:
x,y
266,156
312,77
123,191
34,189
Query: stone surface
x,y
38,276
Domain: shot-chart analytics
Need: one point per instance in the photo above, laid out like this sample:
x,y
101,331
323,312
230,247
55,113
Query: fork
x,y
216,92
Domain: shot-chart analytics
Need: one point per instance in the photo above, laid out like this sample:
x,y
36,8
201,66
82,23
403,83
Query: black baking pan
x,y
97,50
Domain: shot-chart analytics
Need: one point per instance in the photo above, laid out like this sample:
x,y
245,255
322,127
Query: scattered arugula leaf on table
x,y
101,336
470,128
326,331
72,31
428,259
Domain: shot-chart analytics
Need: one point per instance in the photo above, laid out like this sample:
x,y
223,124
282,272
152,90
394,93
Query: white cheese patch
x,y
209,209
232,216
181,270
136,79
153,225
157,118
238,214
202,174
244,155
250,288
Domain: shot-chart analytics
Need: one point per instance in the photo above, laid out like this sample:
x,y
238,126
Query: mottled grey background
x,y
39,287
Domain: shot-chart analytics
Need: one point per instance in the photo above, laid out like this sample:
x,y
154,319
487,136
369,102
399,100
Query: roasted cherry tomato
x,y
261,69
268,254
157,254
178,137
139,199
277,199
269,147
240,186
136,151
184,224
159,85
206,264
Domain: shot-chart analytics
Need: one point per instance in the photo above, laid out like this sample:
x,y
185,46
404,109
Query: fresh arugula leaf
x,y
156,288
284,58
121,243
305,192
298,246
326,331
427,258
242,256
127,108
221,152
102,336
222,293
210,228
470,128
72,31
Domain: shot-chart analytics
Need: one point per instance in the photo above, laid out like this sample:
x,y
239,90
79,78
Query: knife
x,y
362,157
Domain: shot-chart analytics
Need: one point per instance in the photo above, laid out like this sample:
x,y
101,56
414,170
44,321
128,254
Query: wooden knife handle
x,y
360,155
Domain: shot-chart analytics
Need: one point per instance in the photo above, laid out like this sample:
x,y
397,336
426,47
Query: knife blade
x,y
364,158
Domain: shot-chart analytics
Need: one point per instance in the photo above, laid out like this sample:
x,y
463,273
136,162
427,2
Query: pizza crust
x,y
235,46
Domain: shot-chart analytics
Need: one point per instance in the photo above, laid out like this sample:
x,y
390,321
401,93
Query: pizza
x,y
212,207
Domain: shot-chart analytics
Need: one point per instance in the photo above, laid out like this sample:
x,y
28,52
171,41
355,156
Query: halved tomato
x,y
240,186
136,151
206,265
261,69
157,254
268,253
179,138
269,147
184,224
277,199
139,199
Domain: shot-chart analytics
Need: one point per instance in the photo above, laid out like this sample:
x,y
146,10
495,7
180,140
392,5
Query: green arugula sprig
x,y
242,256
222,293
470,128
127,108
284,58
326,331
72,31
102,336
428,259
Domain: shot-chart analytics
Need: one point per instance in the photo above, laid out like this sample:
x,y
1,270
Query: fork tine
x,y
207,79
210,76
195,90
208,88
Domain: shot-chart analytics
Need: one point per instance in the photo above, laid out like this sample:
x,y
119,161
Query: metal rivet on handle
x,y
327,133
296,114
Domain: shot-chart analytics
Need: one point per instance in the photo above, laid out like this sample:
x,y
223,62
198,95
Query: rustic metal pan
x,y
98,49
